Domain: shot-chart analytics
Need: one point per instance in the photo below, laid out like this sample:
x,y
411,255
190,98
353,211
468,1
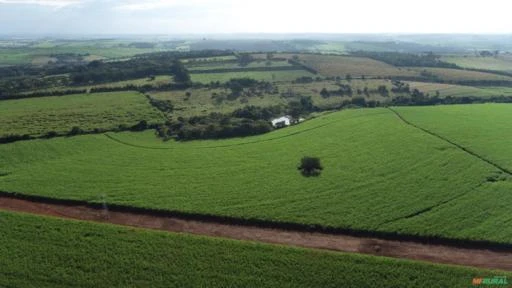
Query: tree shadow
x,y
310,173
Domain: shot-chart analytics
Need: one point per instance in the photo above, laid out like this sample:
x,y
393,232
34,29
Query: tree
x,y
75,131
310,166
348,77
383,91
181,74
324,93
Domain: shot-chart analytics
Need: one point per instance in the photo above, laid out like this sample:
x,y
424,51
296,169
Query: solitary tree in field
x,y
310,166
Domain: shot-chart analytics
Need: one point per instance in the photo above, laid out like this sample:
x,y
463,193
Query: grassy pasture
x,y
499,63
355,66
202,102
276,76
462,75
379,173
81,254
36,116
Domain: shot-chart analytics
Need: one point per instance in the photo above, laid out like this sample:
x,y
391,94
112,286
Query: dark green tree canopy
x,y
310,166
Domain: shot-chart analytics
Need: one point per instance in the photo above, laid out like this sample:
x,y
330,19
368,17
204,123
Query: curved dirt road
x,y
397,249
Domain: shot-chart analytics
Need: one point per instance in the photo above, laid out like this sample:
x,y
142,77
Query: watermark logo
x,y
496,280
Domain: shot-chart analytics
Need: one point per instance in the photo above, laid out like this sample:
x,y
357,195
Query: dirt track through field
x,y
396,249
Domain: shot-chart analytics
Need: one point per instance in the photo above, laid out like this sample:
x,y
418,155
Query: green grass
x,y
379,173
36,116
499,63
276,76
47,252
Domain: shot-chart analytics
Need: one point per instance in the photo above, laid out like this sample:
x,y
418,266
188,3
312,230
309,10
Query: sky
x,y
203,17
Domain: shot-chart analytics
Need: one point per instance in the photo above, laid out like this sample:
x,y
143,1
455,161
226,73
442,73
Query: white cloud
x,y
134,5
265,16
52,3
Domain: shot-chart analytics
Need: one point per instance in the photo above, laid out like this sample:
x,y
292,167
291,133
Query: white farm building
x,y
282,121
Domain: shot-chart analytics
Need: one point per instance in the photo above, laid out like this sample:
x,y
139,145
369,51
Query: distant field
x,y
230,65
330,47
267,76
263,56
355,66
159,80
499,63
81,254
446,90
36,116
18,56
204,101
380,174
462,75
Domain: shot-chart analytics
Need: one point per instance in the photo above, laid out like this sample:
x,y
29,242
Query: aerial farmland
x,y
254,161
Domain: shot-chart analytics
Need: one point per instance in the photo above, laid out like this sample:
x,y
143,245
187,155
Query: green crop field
x,y
257,75
488,63
48,252
355,66
36,116
462,75
484,129
380,175
446,90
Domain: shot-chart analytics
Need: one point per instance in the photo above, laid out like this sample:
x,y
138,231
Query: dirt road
x,y
396,249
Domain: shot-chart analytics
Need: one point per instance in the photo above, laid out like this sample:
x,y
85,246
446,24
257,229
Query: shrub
x,y
75,131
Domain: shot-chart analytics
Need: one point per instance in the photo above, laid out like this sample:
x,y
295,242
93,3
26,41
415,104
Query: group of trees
x,y
213,126
346,90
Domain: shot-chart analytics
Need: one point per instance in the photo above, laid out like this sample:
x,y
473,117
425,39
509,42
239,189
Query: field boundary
x,y
468,151
265,224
